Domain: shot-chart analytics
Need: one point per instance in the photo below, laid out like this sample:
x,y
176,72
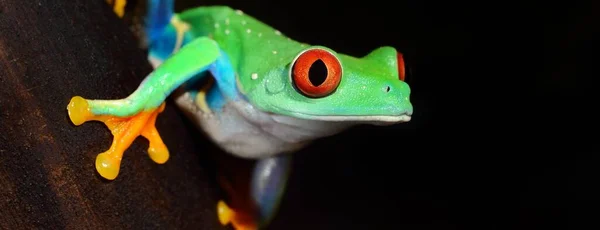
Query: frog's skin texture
x,y
261,99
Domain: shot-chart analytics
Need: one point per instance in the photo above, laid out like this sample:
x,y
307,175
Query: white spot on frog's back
x,y
274,51
239,12
227,21
254,76
244,22
277,32
216,25
227,31
248,30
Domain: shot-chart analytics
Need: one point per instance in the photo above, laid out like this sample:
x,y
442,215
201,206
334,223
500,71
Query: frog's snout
x,y
398,94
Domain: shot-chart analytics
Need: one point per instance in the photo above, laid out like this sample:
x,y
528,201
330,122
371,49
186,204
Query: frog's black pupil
x,y
317,73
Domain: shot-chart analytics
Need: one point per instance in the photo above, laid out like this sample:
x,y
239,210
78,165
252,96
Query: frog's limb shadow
x,y
136,115
267,185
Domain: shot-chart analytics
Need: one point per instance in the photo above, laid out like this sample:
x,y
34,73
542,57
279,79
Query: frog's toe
x,y
108,165
238,220
79,110
118,6
157,150
160,155
224,212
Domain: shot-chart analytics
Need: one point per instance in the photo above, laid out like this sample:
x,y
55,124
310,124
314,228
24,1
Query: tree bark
x,y
51,50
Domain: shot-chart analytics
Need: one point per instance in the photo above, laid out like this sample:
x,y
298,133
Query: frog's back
x,y
242,37
202,19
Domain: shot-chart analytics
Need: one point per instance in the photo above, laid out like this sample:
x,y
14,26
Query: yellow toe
x,y
108,166
119,7
225,214
79,110
158,155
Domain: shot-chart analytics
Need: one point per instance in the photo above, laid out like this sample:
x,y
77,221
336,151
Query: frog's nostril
x,y
387,88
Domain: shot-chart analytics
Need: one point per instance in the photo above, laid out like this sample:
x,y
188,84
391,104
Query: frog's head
x,y
320,84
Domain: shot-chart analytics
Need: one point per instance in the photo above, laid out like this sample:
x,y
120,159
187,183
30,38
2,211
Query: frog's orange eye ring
x,y
316,73
401,68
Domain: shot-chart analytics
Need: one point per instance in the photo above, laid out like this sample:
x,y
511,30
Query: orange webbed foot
x,y
124,130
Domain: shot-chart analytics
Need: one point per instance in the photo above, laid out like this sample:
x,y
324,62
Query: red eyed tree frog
x,y
266,95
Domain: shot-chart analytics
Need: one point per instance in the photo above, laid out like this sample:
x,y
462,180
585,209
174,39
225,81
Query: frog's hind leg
x,y
255,207
135,115
165,33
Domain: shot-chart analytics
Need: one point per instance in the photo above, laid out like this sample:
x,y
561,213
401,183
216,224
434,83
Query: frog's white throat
x,y
245,131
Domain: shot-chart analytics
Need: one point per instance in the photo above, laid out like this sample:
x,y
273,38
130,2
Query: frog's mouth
x,y
367,119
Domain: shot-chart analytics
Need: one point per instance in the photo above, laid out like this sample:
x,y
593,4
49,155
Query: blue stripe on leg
x,y
159,14
224,74
162,47
215,99
224,88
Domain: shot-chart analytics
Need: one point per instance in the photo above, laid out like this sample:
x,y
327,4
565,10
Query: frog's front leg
x,y
267,185
135,115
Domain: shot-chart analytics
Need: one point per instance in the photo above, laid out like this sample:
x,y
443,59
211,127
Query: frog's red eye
x,y
316,73
401,70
